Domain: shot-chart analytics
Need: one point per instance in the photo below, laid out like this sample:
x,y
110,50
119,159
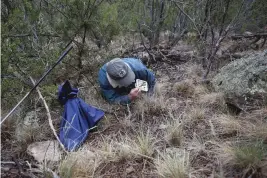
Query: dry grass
x,y
227,124
196,113
151,105
82,163
200,90
107,150
194,71
144,145
213,100
197,144
174,133
115,151
256,126
244,155
160,143
173,165
258,131
185,88
128,148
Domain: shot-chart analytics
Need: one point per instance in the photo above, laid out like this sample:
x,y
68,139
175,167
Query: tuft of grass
x,y
256,124
160,89
113,151
26,134
213,100
227,124
124,151
144,144
246,155
174,134
155,105
66,169
249,156
200,90
196,113
128,149
107,150
175,165
259,131
82,163
185,87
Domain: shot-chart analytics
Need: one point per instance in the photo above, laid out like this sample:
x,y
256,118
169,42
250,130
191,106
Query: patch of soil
x,y
126,168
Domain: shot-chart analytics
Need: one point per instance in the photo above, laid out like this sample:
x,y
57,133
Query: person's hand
x,y
134,93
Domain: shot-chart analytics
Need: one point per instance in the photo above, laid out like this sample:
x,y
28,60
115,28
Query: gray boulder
x,y
244,78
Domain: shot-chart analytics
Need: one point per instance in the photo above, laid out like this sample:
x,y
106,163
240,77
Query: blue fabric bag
x,y
78,117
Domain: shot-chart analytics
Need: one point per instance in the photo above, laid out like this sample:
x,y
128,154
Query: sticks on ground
x,y
236,37
48,115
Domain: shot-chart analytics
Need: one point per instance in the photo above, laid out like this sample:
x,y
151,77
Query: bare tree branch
x,y
141,36
193,22
222,35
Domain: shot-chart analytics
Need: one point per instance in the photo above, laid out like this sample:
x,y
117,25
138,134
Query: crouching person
x,y
117,80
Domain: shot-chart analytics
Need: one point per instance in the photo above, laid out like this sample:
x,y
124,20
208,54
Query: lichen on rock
x,y
244,78
247,75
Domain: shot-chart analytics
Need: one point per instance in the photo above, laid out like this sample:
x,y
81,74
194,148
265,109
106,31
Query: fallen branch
x,y
26,169
27,35
48,115
236,37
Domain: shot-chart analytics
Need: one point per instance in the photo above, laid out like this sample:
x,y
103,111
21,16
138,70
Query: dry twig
x,y
48,115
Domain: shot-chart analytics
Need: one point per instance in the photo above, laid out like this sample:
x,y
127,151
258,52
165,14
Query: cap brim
x,y
126,81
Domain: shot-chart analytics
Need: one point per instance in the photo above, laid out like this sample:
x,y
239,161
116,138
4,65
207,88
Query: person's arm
x,y
113,97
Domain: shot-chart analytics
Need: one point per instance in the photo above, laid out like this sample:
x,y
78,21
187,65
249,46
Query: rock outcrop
x,y
244,79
